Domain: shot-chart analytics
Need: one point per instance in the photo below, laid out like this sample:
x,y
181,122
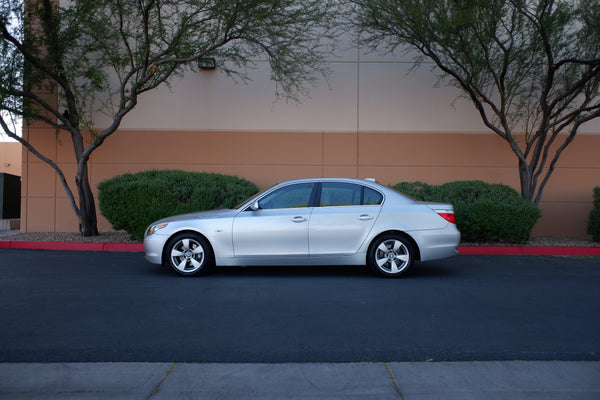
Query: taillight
x,y
448,217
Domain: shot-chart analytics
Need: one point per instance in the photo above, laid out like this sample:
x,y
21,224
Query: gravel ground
x,y
104,237
123,237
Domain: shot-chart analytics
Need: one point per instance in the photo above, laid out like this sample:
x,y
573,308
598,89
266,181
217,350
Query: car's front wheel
x,y
189,254
391,255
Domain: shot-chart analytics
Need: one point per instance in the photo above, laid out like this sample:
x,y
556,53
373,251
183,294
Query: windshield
x,y
237,207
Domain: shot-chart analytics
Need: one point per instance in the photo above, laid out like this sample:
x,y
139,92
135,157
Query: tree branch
x,y
45,159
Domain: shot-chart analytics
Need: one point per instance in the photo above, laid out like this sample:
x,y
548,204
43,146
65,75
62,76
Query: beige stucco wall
x,y
269,157
10,158
372,117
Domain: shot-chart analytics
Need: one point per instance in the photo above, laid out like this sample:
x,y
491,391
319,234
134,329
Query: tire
x,y
391,255
189,254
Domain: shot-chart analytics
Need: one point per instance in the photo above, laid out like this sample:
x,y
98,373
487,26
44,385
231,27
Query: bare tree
x,y
531,68
101,55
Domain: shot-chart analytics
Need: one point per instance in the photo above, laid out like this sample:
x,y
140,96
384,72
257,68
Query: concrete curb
x,y
466,250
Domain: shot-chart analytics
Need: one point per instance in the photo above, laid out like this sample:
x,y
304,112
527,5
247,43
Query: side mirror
x,y
255,206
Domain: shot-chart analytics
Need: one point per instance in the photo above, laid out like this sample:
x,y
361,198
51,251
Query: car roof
x,y
367,182
353,180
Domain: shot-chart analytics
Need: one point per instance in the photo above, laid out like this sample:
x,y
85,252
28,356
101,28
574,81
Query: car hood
x,y
212,214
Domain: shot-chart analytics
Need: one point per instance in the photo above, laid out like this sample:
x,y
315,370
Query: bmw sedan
x,y
323,221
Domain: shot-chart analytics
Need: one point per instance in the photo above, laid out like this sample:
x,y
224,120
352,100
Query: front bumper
x,y
153,247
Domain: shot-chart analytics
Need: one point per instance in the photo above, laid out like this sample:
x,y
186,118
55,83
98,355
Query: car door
x,y
278,227
345,216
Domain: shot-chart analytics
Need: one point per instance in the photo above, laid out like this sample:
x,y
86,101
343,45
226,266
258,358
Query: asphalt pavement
x,y
574,377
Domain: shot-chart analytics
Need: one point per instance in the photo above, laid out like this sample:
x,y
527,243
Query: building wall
x,y
270,157
10,158
372,117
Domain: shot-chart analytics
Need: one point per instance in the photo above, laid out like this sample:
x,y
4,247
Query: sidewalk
x,y
409,381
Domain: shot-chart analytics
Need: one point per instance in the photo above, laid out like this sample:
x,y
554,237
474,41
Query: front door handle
x,y
299,219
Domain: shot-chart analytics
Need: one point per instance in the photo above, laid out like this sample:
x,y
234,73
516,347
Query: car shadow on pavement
x,y
418,271
294,271
431,269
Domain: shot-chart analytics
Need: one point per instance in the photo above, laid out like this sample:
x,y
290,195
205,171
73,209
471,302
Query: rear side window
x,y
371,197
335,194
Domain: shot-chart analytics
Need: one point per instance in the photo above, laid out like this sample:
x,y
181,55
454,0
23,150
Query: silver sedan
x,y
323,221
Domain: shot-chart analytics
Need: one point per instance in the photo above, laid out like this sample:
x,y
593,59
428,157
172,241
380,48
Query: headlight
x,y
155,228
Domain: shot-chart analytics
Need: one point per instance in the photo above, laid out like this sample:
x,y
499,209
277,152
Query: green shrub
x,y
484,211
417,190
594,218
597,197
131,202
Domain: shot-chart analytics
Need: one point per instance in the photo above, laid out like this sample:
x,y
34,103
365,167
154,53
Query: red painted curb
x,y
562,251
530,250
123,247
466,250
71,246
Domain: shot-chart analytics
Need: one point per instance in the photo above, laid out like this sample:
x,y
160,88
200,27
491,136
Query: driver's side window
x,y
291,196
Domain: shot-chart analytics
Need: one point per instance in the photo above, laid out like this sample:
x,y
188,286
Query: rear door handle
x,y
299,219
365,217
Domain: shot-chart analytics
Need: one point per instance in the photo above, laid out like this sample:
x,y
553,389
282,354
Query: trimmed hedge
x,y
131,202
484,211
594,218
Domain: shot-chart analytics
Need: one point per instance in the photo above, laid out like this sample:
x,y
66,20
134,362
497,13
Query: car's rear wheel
x,y
189,254
391,255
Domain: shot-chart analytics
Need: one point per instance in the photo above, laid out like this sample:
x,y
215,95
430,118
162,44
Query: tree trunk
x,y
526,181
88,223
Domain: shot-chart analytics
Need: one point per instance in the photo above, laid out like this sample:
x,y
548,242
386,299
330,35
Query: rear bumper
x,y
438,243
